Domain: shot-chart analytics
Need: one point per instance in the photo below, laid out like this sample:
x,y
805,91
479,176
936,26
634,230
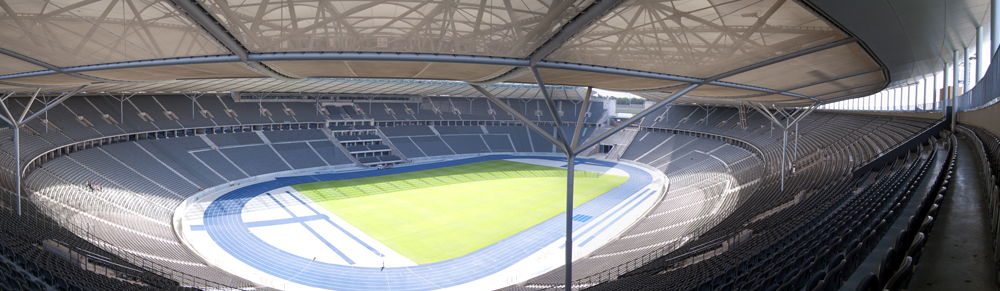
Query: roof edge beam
x,y
413,57
830,80
582,20
783,58
379,56
53,69
513,73
854,95
15,84
28,59
852,88
616,71
759,89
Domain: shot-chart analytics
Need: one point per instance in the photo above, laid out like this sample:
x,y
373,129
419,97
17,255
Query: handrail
x,y
984,93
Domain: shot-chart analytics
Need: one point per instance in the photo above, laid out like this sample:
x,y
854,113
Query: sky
x,y
615,93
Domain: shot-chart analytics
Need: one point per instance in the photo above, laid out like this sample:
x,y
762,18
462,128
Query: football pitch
x,y
439,214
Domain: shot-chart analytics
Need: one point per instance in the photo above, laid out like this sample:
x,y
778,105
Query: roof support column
x,y
954,88
876,99
890,98
791,119
980,58
934,91
594,140
923,101
994,27
552,110
892,104
568,147
520,117
889,104
966,70
570,167
897,101
194,97
121,105
884,101
579,119
20,121
946,93
904,97
879,100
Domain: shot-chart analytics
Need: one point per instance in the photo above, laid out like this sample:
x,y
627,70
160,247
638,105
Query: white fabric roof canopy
x,y
773,51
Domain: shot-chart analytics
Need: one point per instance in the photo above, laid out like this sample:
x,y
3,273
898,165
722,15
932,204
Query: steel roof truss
x,y
582,21
594,140
552,110
527,122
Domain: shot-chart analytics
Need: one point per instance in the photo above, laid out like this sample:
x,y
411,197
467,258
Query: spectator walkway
x,y
958,254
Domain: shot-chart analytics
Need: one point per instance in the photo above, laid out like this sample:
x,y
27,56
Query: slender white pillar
x,y
904,92
927,94
890,102
967,70
955,73
878,100
994,27
893,95
934,90
17,167
980,57
954,96
945,94
906,96
887,102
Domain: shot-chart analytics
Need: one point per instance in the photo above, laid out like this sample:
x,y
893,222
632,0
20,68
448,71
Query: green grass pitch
x,y
439,214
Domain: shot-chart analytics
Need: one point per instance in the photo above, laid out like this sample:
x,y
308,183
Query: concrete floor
x,y
874,259
959,254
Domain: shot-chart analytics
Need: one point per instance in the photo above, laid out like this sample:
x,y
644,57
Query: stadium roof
x,y
772,51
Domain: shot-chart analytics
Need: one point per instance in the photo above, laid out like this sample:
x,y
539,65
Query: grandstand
x,y
783,145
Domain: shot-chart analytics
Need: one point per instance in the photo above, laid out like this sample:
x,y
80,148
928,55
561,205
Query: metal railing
x,y
985,93
58,224
703,250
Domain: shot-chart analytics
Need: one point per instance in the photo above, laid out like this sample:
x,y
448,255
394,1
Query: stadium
x,y
499,145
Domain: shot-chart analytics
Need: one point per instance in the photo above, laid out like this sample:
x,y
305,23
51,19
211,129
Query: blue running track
x,y
224,224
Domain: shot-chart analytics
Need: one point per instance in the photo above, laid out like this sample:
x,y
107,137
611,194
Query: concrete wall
x,y
987,118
